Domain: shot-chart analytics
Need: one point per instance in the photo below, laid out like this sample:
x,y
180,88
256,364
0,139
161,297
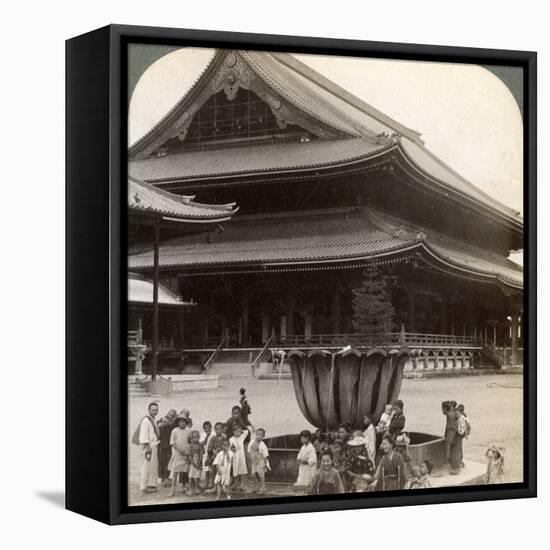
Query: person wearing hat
x,y
358,467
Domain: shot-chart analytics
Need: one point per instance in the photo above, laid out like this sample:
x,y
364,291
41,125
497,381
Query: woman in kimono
x,y
307,461
390,474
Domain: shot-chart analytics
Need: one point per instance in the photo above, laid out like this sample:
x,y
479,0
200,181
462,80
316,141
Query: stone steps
x,y
135,389
231,370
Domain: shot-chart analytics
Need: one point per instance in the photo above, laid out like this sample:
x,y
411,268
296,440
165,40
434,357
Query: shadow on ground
x,y
57,498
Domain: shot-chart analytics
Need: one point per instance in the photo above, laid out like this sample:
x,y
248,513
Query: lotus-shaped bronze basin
x,y
333,388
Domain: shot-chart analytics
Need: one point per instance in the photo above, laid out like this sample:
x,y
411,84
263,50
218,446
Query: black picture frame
x,y
96,400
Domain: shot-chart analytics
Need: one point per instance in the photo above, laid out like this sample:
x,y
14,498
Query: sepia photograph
x,y
325,275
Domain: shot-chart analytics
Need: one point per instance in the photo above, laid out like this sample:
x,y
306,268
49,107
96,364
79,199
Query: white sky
x,y
466,115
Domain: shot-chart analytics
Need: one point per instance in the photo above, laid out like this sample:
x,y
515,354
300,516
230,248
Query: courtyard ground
x,y
493,404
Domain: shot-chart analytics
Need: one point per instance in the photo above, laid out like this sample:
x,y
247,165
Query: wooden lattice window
x,y
245,117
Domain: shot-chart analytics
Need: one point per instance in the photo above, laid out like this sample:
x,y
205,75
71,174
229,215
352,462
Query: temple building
x,y
325,184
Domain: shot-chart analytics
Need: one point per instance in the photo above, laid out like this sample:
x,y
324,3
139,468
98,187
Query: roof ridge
x,y
218,53
435,158
308,72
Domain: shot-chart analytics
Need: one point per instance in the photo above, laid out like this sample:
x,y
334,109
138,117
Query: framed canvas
x,y
301,274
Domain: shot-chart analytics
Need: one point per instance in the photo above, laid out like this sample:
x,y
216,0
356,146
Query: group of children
x,y
221,458
346,460
216,460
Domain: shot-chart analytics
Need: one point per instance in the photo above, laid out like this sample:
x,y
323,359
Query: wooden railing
x,y
393,338
258,357
210,360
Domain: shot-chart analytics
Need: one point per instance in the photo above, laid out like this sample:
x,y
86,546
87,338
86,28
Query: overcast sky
x,y
466,115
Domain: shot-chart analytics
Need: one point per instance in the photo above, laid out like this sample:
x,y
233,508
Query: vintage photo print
x,y
325,275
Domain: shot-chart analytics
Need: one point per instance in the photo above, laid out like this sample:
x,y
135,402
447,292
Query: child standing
x,y
245,407
223,463
206,478
464,426
327,479
370,437
195,453
259,459
425,472
307,460
495,464
414,480
180,441
236,443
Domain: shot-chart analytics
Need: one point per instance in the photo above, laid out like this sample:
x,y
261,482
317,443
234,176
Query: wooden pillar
x,y
180,329
335,312
244,324
308,325
283,328
514,326
290,309
154,347
265,328
443,316
412,316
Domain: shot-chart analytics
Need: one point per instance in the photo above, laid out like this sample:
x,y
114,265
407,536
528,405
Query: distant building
x,y
325,183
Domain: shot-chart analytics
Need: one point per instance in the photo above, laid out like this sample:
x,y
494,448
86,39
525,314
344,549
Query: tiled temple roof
x,y
360,131
148,199
252,159
322,237
140,290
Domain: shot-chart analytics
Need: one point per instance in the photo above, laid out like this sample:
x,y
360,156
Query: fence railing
x,y
211,359
393,338
258,357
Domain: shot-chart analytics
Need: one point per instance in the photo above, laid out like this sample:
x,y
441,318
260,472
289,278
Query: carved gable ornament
x,y
232,74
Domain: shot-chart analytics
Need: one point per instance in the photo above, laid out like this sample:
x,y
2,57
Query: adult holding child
x,y
453,440
358,467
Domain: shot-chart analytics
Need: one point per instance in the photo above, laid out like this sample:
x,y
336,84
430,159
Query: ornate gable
x,y
228,78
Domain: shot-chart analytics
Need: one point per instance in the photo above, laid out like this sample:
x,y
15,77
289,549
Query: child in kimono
x,y
223,463
307,461
464,426
259,463
414,481
236,443
206,479
495,464
327,479
385,419
425,472
338,455
180,441
195,466
245,407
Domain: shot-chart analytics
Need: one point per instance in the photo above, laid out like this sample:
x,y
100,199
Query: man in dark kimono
x,y
165,425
